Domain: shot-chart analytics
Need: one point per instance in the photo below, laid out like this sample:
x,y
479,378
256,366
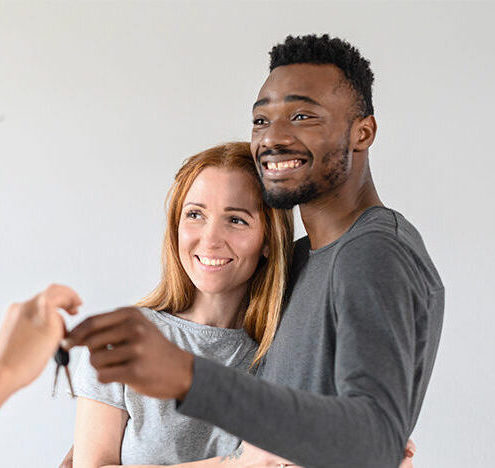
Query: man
x,y
30,334
345,377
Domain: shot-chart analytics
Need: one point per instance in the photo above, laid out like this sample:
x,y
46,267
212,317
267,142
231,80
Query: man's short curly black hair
x,y
326,50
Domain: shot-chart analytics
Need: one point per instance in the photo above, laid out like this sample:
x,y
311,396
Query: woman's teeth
x,y
278,166
213,261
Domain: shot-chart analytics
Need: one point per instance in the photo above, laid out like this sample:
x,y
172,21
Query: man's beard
x,y
286,199
310,190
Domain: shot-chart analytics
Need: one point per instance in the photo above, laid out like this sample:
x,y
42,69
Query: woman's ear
x,y
265,251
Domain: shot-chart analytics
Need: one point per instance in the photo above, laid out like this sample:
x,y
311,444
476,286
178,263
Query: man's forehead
x,y
312,80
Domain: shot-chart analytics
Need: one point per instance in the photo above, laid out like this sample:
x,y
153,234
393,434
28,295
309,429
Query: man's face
x,y
300,137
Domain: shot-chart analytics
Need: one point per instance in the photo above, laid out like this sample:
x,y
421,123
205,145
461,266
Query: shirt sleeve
x,y
86,384
375,289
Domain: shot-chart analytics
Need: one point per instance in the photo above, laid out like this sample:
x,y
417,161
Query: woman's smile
x,y
212,263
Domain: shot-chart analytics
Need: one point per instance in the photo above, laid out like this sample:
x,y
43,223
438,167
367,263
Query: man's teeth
x,y
278,166
212,261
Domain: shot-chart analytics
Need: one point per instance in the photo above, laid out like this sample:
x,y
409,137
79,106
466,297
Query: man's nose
x,y
277,134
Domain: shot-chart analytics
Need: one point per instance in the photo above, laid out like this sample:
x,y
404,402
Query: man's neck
x,y
329,217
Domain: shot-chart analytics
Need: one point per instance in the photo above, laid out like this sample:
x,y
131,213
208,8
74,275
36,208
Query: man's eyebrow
x,y
261,102
232,208
298,97
288,98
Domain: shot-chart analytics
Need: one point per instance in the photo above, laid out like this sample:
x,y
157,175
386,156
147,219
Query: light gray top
x,y
156,433
343,382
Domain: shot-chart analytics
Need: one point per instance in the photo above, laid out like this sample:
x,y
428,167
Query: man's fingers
x,y
117,373
117,356
97,323
114,336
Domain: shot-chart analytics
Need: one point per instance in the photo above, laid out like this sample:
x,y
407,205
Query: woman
x,y
225,256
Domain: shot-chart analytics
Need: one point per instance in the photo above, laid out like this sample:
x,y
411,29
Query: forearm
x,y
309,429
6,386
209,463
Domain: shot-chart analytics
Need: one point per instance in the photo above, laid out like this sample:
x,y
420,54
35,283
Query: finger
x,y
411,446
117,373
119,355
116,335
96,324
63,297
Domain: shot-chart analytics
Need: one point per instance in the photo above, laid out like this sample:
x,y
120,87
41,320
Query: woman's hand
x,y
30,335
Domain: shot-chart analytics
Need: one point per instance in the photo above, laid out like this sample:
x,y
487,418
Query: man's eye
x,y
236,220
259,121
301,117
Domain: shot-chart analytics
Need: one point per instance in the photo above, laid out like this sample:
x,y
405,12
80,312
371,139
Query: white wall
x,y
101,101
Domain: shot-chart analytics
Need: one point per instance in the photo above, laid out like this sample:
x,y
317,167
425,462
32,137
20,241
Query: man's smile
x,y
273,167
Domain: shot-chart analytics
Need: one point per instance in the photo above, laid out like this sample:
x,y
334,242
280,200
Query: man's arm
x,y
368,422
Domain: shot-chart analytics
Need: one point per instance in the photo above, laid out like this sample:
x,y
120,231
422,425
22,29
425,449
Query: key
x,y
62,360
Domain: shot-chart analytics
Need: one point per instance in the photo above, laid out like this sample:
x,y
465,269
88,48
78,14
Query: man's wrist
x,y
188,375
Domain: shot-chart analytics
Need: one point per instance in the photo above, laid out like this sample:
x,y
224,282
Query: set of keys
x,y
62,360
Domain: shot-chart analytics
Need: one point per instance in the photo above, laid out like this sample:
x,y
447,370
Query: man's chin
x,y
287,199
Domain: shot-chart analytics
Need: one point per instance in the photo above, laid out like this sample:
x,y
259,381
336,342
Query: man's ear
x,y
363,133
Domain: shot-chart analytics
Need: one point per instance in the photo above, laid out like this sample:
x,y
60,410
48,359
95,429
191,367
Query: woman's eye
x,y
236,220
193,214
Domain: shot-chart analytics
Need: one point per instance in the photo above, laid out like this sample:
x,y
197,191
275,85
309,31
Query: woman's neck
x,y
222,310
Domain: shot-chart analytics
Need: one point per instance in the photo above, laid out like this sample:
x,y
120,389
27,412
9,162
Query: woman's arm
x,y
245,456
98,435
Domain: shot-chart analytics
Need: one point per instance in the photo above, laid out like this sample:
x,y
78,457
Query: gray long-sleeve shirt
x,y
345,377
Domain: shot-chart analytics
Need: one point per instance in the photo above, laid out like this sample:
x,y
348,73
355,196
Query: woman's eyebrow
x,y
194,203
232,208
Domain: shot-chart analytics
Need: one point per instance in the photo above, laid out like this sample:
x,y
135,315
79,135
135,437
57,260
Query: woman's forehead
x,y
225,186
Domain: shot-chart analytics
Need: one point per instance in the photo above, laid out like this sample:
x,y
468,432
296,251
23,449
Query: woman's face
x,y
220,230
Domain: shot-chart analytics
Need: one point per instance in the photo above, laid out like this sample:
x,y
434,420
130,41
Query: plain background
x,y
101,101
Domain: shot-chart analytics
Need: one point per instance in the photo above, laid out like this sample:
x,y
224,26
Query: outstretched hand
x,y
31,333
126,347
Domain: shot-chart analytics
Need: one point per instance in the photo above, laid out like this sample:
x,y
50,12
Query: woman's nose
x,y
213,235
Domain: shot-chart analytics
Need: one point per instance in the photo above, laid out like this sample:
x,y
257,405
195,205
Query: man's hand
x,y
126,347
30,335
